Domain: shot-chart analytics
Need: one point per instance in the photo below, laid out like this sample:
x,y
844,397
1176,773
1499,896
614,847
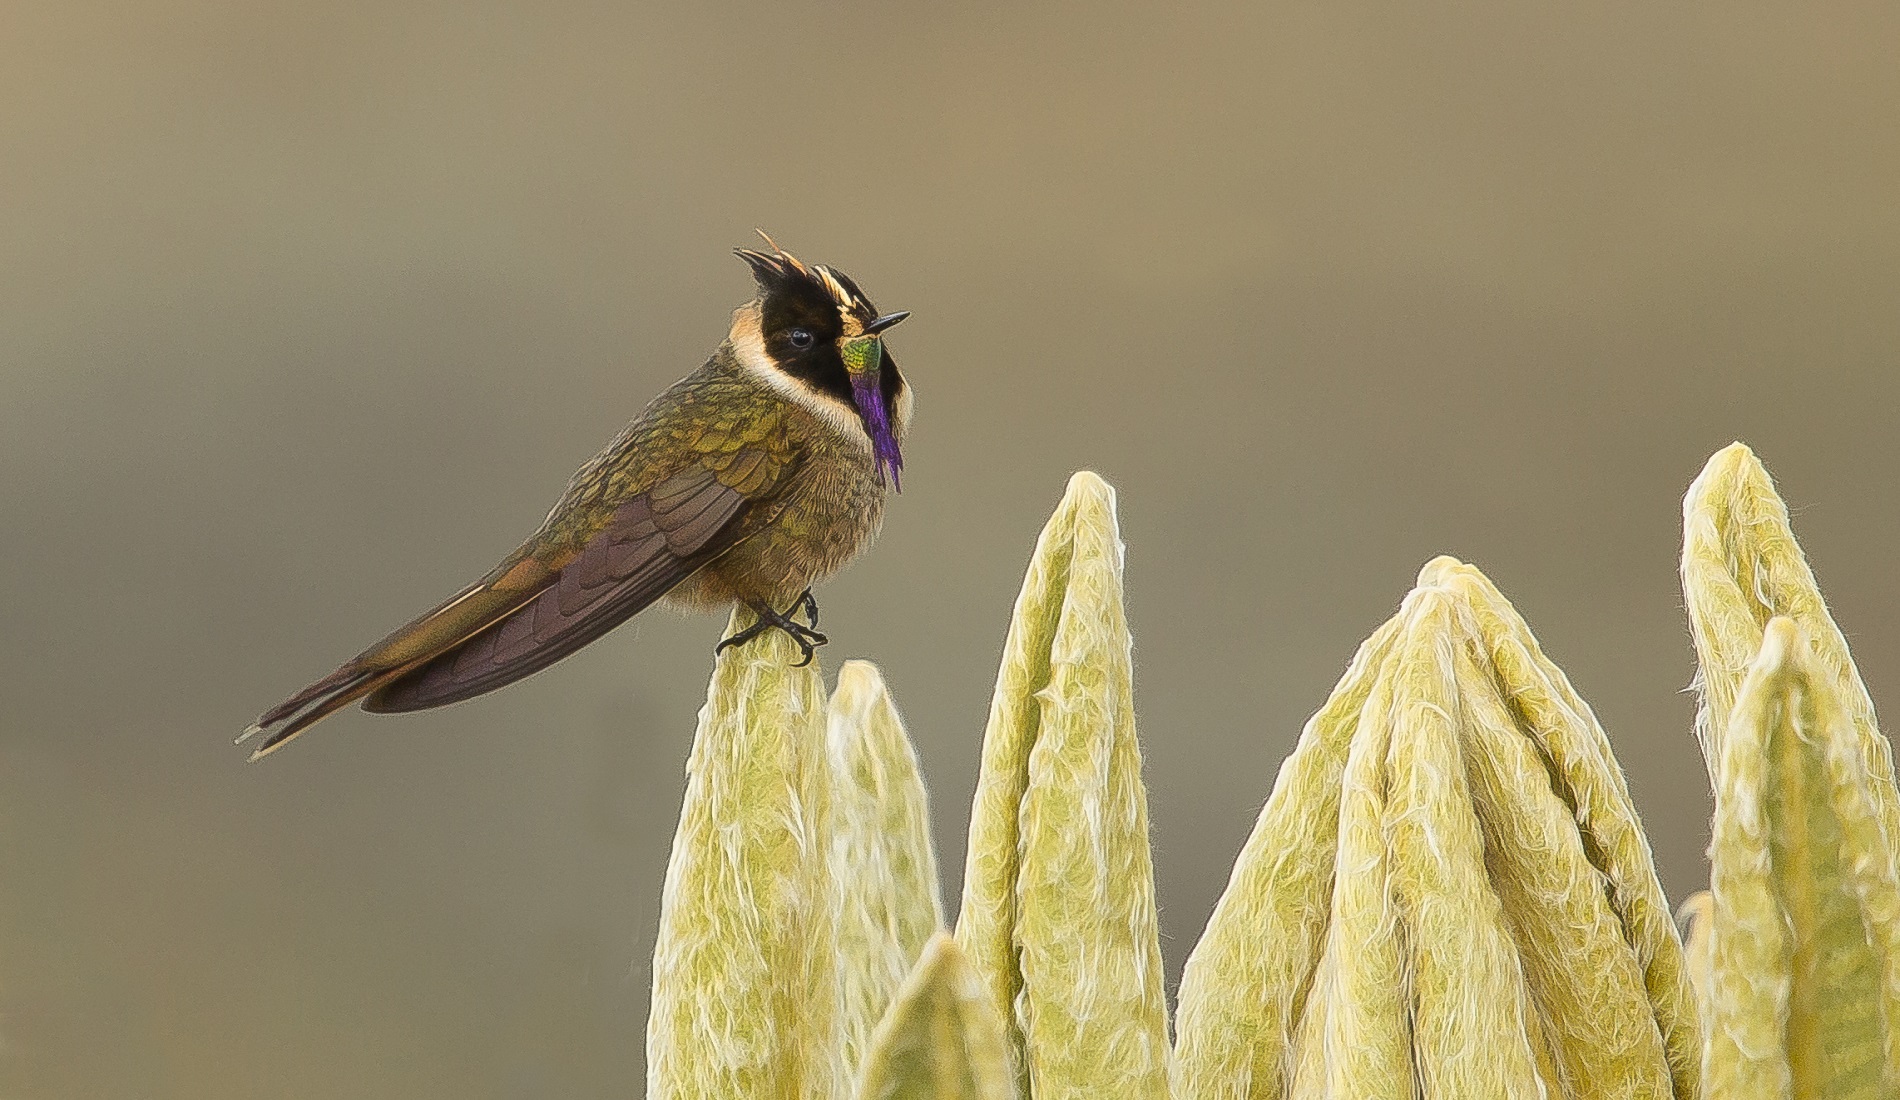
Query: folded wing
x,y
654,542
532,611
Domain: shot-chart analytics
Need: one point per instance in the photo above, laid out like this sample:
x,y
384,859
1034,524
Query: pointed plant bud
x,y
1583,773
881,854
1058,911
744,987
1805,982
1807,812
1448,893
941,1039
1741,567
1472,1017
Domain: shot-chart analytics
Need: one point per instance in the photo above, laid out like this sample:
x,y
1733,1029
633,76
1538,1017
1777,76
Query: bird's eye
x,y
799,338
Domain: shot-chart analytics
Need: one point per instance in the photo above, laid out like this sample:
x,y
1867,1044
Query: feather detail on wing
x,y
654,542
532,611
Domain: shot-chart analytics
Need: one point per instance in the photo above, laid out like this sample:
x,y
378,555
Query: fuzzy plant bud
x,y
745,987
1804,997
1448,892
1803,921
1741,566
882,858
941,1039
1058,913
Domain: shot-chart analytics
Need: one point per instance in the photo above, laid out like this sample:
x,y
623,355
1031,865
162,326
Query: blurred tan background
x,y
308,310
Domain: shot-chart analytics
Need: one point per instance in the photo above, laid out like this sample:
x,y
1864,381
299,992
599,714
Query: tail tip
x,y
276,741
250,731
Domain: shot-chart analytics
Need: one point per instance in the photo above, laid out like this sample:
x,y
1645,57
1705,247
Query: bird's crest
x,y
775,269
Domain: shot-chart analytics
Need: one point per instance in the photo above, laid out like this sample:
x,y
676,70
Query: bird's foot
x,y
807,602
807,639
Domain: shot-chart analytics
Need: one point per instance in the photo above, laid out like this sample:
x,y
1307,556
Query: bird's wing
x,y
653,542
535,609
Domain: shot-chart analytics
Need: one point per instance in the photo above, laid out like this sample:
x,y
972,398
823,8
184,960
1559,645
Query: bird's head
x,y
813,329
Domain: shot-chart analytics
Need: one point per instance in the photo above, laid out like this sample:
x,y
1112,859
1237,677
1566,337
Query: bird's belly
x,y
828,518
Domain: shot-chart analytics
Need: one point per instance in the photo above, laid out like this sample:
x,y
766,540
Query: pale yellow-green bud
x,y
1058,912
1582,771
745,992
1448,892
1473,1022
1804,967
881,854
1741,567
941,1039
1805,982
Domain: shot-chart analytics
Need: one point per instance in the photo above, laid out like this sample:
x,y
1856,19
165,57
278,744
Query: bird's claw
x,y
809,604
806,638
808,641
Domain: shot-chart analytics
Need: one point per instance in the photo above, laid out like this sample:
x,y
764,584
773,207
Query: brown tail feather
x,y
337,680
440,630
321,705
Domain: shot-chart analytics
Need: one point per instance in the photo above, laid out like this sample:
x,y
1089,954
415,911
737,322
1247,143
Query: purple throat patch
x,y
867,393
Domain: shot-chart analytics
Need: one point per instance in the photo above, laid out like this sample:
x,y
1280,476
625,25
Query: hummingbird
x,y
746,482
